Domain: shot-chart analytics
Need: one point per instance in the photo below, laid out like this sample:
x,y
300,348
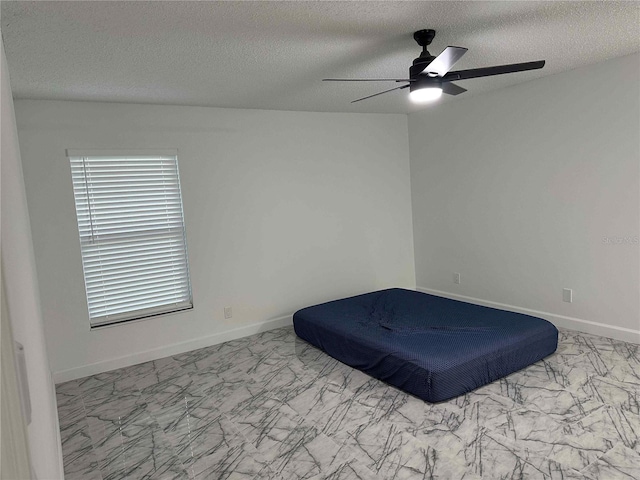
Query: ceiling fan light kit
x,y
430,77
424,94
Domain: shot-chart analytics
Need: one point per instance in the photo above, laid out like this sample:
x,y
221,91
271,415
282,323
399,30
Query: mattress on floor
x,y
432,347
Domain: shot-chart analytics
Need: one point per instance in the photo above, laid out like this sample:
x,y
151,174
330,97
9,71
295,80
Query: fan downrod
x,y
423,38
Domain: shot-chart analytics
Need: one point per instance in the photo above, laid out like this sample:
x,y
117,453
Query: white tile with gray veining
x,y
272,407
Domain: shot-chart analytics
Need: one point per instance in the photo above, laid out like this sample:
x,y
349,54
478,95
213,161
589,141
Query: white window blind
x,y
132,235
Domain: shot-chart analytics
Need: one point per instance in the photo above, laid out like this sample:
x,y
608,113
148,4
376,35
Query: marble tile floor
x,y
271,406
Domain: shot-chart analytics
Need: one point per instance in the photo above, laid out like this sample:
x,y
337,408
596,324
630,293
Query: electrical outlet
x,y
228,313
456,278
567,295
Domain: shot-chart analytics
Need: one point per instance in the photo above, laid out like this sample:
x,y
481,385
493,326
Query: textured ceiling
x,y
273,55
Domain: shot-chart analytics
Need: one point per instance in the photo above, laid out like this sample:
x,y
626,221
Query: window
x,y
132,235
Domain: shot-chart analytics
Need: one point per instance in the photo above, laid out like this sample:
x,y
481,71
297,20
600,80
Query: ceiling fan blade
x,y
367,80
451,88
443,62
497,70
380,93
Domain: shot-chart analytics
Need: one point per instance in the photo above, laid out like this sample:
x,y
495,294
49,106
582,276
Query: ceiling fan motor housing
x,y
418,67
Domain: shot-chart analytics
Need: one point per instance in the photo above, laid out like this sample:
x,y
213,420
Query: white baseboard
x,y
572,323
57,427
167,350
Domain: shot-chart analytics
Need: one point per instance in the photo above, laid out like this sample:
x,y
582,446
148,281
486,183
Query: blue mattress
x,y
432,347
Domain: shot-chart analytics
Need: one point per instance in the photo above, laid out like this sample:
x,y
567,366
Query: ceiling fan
x,y
429,76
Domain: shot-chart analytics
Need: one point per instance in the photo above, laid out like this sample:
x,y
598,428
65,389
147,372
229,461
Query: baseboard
x,y
167,350
572,323
57,428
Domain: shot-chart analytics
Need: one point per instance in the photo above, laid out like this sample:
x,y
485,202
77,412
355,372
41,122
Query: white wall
x,y
282,210
517,189
22,299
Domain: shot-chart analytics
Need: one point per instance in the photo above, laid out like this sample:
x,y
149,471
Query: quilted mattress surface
x,y
432,347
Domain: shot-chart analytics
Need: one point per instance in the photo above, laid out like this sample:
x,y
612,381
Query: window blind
x,y
132,235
